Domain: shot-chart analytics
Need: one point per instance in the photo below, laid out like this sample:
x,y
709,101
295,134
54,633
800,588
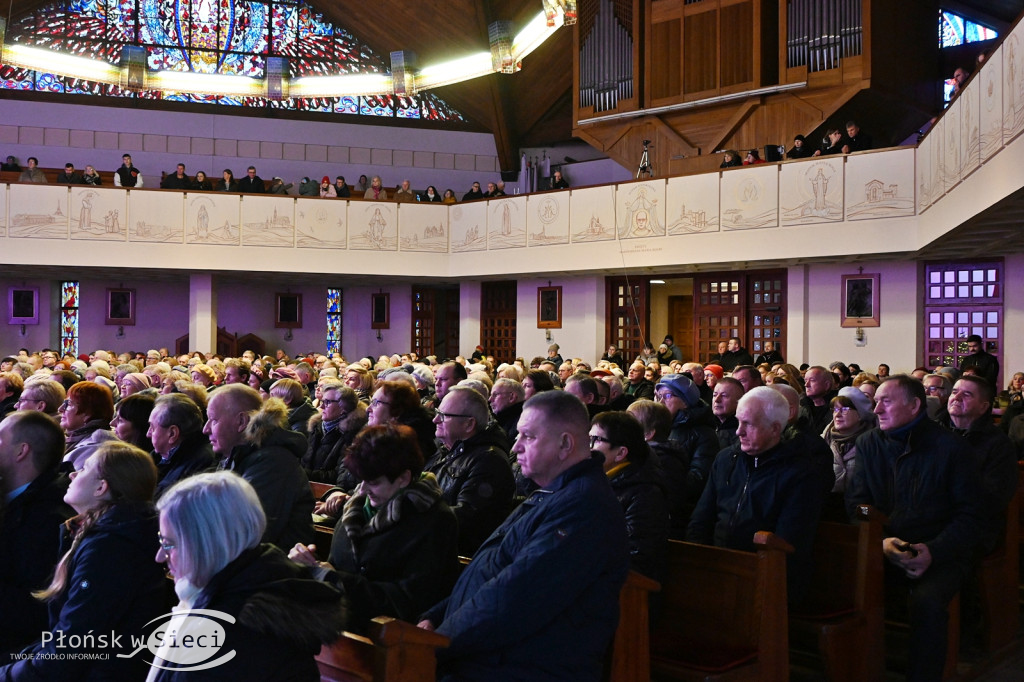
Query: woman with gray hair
x,y
210,530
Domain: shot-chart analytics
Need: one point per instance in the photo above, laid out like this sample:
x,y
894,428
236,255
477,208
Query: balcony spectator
x,y
449,197
431,195
831,144
856,139
404,193
252,183
753,158
731,159
228,182
177,180
376,190
309,188
201,183
11,164
277,186
91,177
362,185
69,176
473,193
32,173
326,188
800,149
127,175
558,182
341,188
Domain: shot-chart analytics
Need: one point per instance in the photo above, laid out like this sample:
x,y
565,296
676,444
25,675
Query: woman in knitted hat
x,y
851,416
327,189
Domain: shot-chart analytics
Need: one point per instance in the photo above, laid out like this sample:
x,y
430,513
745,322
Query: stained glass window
x,y
955,30
234,37
333,321
69,318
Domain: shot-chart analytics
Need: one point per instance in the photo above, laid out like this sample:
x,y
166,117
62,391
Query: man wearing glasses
x,y
472,467
937,389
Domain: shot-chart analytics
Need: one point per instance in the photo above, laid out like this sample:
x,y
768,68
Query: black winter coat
x,y
640,490
114,585
194,456
273,468
926,481
299,416
325,451
283,617
401,562
779,491
996,458
674,461
29,531
477,483
695,430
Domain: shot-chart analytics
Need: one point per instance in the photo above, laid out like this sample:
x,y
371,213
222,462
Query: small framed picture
x,y
861,295
120,307
549,307
23,305
380,311
288,311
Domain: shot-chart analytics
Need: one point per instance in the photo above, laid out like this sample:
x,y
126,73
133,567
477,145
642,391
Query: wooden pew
x,y
630,653
395,651
998,584
843,615
723,614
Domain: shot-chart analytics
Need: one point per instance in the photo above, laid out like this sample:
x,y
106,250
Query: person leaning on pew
x,y
762,483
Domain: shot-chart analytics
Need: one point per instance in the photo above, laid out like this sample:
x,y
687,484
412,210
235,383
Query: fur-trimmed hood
x,y
353,421
272,415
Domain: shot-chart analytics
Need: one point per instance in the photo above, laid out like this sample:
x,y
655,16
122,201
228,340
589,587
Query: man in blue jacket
x,y
540,600
925,480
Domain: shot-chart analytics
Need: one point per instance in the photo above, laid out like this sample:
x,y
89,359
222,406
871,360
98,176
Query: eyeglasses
x,y
375,402
841,410
444,416
933,389
594,440
66,404
165,546
327,401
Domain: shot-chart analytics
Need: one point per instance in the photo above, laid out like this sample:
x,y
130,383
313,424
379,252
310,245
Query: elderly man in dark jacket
x,y
253,440
180,448
540,600
762,483
926,481
31,446
472,466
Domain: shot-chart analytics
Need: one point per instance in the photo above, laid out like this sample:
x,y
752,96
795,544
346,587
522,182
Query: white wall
x,y
358,339
46,334
583,325
896,342
1013,323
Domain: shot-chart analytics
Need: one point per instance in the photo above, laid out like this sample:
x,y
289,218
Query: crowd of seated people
x,y
430,459
834,142
127,175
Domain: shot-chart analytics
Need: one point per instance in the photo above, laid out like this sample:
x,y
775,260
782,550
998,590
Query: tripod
x,y
645,169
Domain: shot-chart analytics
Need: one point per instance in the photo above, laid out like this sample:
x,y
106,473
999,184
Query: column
x,y
202,313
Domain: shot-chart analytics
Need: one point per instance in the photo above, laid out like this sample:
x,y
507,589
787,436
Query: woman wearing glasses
x,y
210,530
639,484
331,431
394,552
106,581
393,402
851,416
